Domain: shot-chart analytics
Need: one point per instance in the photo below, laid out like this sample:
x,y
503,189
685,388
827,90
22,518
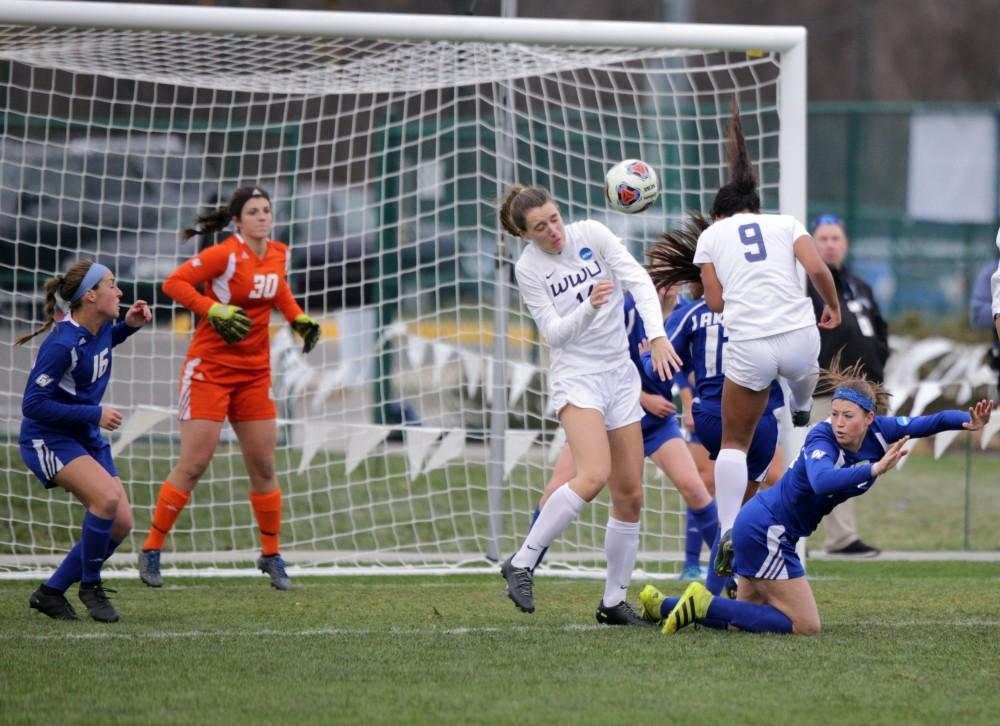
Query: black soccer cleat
x,y
53,604
620,614
519,585
95,596
274,567
723,564
801,418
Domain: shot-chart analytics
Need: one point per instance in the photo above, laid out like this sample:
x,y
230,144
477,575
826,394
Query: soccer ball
x,y
631,186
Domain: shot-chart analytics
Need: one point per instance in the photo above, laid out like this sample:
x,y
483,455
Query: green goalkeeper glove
x,y
308,328
230,321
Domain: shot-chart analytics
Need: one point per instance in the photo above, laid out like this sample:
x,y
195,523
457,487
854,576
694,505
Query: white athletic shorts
x,y
615,393
755,363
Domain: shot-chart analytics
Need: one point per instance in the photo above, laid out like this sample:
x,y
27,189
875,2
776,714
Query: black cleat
x,y
620,614
274,567
801,418
55,605
724,555
149,568
857,548
519,585
95,597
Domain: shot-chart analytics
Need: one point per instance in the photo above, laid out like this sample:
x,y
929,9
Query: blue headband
x,y
827,219
854,397
94,275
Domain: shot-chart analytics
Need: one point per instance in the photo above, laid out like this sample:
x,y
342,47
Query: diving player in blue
x,y
60,437
841,458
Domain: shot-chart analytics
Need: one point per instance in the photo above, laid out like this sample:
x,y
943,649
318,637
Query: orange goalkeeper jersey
x,y
230,273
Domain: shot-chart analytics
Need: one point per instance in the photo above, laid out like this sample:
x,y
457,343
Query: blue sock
x,y
534,518
749,616
706,520
692,542
94,546
68,571
71,568
714,583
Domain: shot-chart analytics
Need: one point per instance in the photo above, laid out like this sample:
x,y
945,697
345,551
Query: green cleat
x,y
724,556
650,600
692,606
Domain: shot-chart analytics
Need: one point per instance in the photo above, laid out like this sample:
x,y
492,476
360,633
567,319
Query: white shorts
x,y
755,363
615,393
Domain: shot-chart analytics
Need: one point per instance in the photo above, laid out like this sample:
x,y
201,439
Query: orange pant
x,y
215,392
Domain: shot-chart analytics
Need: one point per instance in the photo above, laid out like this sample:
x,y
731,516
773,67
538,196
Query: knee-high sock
x,y
71,568
802,390
267,509
621,545
714,583
692,540
94,546
534,518
169,505
730,485
561,509
706,522
749,616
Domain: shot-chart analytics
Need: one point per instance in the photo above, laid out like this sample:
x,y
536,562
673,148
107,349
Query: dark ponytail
x,y
740,193
213,220
670,261
515,206
60,288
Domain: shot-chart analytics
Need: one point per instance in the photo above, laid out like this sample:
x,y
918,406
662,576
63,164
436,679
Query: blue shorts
x,y
48,453
765,440
657,431
761,547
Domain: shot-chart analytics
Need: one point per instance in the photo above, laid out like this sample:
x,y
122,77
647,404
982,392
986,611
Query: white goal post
x,y
415,438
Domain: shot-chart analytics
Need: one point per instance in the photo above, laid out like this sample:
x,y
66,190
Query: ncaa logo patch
x,y
586,253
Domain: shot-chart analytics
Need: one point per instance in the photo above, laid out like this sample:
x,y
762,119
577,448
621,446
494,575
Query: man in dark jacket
x,y
862,335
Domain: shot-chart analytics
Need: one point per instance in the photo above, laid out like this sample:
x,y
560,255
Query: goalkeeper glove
x,y
230,321
308,328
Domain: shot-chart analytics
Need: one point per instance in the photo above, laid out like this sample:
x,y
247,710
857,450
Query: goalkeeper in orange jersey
x,y
227,372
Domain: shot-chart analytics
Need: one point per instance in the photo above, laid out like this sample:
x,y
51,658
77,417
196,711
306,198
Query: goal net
x,y
416,436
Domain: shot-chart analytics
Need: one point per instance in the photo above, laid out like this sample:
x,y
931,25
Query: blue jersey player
x,y
60,438
841,458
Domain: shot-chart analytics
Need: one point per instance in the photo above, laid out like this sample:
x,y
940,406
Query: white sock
x,y
730,485
621,545
802,392
556,515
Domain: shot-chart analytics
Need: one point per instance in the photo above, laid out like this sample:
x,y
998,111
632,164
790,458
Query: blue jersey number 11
x,y
751,236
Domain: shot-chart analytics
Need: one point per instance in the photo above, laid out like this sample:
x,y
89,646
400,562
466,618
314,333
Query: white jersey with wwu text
x,y
754,258
556,289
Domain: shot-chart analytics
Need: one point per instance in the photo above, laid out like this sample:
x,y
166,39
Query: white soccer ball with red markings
x,y
631,186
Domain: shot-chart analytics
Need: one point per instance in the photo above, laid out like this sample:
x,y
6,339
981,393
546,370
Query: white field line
x,y
410,632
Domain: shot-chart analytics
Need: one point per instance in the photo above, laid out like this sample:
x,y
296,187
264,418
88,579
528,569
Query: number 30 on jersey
x,y
264,286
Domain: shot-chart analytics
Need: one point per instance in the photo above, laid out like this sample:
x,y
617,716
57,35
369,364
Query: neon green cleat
x,y
692,606
650,600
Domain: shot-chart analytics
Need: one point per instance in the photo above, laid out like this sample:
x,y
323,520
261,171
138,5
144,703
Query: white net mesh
x,y
385,161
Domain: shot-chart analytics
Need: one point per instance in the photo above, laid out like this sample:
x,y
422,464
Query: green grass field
x,y
902,643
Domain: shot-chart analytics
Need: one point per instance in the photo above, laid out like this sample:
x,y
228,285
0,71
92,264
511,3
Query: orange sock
x,y
267,509
169,505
